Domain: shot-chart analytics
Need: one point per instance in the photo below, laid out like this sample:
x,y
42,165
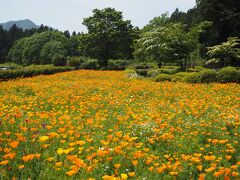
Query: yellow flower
x,y
43,138
124,176
173,173
60,151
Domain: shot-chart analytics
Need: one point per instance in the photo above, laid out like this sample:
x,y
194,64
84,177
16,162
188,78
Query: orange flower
x,y
117,166
21,166
134,162
131,174
200,167
14,144
4,162
71,172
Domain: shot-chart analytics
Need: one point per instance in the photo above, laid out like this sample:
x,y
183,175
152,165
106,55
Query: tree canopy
x,y
109,36
38,48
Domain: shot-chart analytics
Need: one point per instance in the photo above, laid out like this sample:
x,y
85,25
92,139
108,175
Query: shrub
x,y
163,77
142,72
191,78
179,77
10,65
130,72
228,75
30,71
208,76
153,72
90,64
74,62
196,69
169,71
59,60
117,64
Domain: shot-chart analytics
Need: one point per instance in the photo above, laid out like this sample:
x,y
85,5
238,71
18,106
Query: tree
x,y
178,16
67,34
156,22
74,33
27,51
168,43
53,50
164,44
225,17
73,46
225,54
3,42
109,36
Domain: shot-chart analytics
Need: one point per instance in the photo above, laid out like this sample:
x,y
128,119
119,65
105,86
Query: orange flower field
x,y
104,125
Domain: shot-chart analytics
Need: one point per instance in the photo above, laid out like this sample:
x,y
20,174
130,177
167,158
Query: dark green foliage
x,y
228,75
225,17
31,71
74,62
90,64
163,77
59,60
208,76
142,72
117,64
191,78
178,16
7,38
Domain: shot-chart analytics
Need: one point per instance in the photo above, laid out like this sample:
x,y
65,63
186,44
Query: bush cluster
x,y
31,71
163,77
88,63
225,75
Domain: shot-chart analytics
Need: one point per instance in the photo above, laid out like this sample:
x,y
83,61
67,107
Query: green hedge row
x,y
31,71
225,75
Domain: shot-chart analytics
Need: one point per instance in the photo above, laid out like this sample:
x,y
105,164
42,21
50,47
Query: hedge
x,y
30,71
163,77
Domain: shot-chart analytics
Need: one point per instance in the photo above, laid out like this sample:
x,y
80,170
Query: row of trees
x,y
177,38
7,38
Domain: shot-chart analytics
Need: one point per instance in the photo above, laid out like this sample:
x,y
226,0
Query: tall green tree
x,y
178,16
109,36
225,16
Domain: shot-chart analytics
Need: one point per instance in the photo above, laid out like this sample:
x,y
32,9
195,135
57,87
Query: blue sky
x,y
68,14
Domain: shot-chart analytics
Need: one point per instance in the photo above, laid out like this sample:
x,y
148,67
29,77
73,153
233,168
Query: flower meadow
x,y
103,125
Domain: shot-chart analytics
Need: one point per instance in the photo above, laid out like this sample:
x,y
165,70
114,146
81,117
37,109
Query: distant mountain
x,y
24,24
